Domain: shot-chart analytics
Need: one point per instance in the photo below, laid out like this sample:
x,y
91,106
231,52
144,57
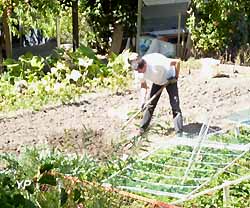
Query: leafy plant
x,y
41,177
26,85
219,27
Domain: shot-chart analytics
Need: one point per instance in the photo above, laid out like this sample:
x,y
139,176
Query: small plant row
x,y
234,137
164,170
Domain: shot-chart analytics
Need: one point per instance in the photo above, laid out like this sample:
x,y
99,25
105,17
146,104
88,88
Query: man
x,y
159,69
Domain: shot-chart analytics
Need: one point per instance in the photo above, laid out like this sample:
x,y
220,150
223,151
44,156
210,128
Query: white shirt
x,y
158,68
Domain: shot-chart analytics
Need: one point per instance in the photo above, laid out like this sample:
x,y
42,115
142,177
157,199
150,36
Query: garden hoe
x,y
171,81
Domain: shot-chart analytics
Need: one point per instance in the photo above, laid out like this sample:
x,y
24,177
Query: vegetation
x,y
40,177
241,137
105,16
49,177
219,27
98,19
25,84
163,171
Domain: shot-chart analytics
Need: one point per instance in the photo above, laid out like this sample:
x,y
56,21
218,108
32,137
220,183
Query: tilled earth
x,y
98,118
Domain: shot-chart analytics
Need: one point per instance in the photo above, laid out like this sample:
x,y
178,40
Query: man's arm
x,y
143,92
177,64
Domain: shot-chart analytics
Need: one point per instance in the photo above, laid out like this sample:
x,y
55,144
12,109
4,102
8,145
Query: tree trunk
x,y
7,35
75,24
117,38
1,55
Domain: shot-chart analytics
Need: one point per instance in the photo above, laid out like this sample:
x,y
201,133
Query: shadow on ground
x,y
193,129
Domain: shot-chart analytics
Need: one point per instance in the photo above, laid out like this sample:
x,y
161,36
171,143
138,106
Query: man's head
x,y
139,65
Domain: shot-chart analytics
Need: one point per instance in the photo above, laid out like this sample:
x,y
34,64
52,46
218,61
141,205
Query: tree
x,y
28,14
108,17
38,14
218,26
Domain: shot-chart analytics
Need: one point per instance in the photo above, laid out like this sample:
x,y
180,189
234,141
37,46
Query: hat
x,y
134,64
133,56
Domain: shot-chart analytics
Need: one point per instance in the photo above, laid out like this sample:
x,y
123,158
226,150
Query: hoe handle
x,y
148,102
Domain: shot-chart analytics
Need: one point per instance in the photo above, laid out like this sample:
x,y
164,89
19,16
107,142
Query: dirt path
x,y
102,114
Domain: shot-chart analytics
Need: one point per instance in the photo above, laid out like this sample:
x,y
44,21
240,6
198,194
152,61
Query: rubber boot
x,y
178,123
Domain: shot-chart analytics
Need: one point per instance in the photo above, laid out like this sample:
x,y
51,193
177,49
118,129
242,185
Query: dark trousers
x,y
172,90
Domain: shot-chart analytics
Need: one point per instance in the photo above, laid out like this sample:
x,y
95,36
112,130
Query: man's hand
x,y
142,106
144,85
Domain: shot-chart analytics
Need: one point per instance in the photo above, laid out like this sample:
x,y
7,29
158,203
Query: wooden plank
x,y
20,30
117,38
58,32
138,25
188,47
1,55
226,196
179,35
183,45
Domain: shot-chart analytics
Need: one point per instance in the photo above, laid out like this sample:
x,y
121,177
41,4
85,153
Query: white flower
x,y
53,70
86,62
58,86
60,65
47,88
81,62
21,85
75,75
44,81
132,56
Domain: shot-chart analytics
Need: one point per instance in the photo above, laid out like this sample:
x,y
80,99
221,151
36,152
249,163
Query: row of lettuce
x,y
33,81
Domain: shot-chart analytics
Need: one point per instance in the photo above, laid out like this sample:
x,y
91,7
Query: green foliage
x,y
242,137
32,14
85,31
44,171
37,178
165,168
28,67
97,19
26,85
243,57
103,15
218,25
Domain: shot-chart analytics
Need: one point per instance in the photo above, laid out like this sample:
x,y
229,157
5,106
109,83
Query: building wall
x,y
163,17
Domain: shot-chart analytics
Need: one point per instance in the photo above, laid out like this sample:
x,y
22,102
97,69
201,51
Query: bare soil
x,y
98,118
